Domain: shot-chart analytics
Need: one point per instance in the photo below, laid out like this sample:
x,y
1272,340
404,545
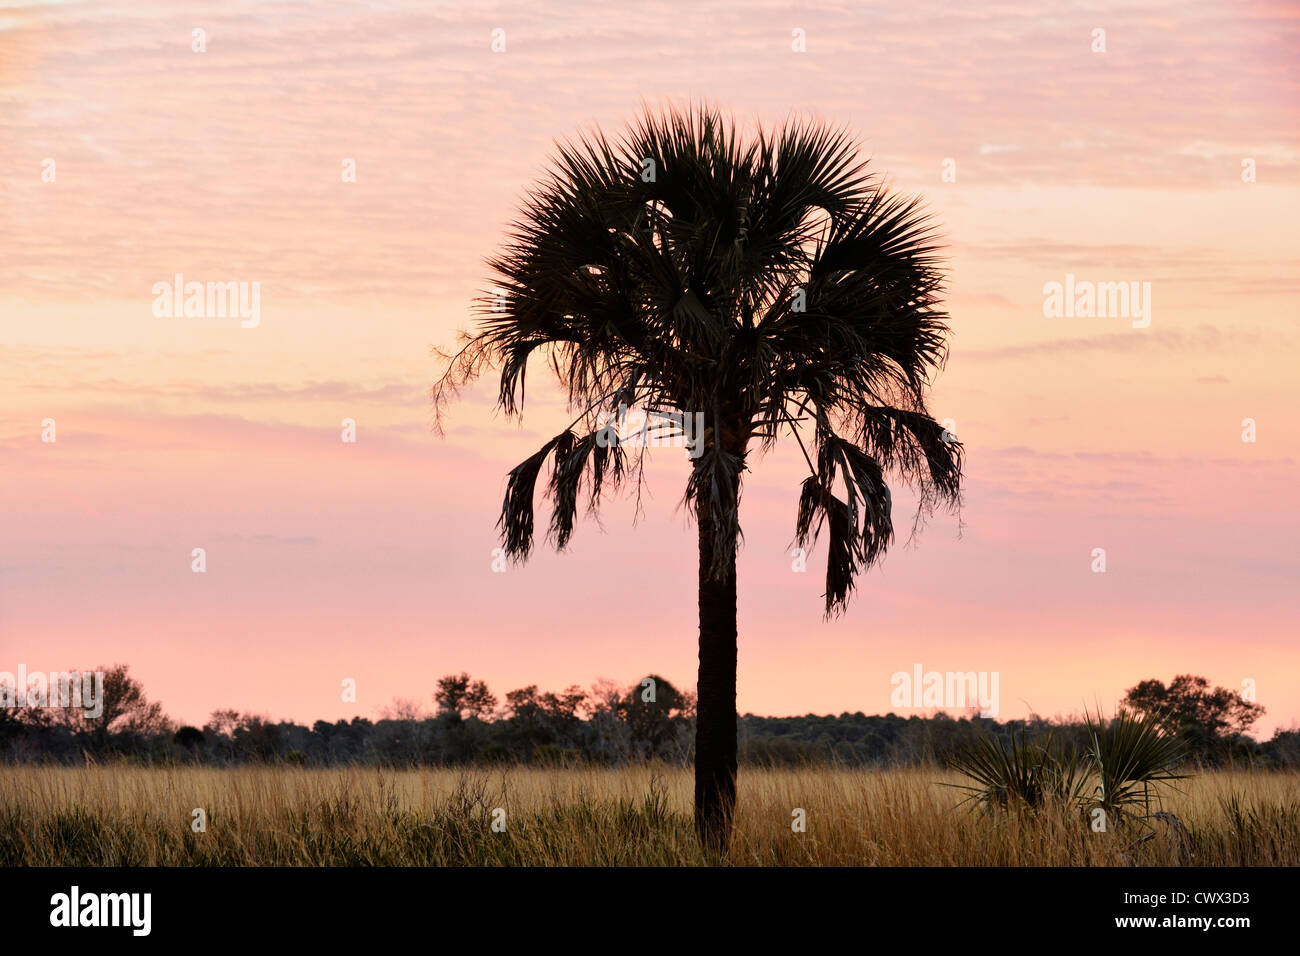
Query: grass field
x,y
257,816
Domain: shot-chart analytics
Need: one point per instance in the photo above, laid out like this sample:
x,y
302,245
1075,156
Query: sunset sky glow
x,y
372,560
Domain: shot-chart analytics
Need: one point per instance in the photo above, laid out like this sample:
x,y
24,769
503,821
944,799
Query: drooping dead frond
x,y
600,448
860,526
516,522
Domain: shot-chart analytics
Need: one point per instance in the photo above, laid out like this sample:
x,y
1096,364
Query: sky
x,y
128,156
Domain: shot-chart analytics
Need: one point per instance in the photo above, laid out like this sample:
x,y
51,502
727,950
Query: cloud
x,y
180,161
1203,338
254,392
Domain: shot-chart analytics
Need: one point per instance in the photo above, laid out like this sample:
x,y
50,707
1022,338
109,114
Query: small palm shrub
x,y
1131,756
1019,773
1127,759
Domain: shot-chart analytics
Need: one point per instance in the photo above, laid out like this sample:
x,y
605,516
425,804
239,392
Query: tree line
x,y
606,724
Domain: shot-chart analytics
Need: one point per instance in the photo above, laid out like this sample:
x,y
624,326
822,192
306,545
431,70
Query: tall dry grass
x,y
257,816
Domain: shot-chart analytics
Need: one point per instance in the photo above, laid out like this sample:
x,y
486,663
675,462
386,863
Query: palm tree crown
x,y
770,283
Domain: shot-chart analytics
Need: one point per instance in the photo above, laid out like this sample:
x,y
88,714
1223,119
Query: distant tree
x,y
256,737
401,708
653,710
1284,749
11,726
1188,707
125,710
527,703
523,703
466,698
222,722
189,737
604,696
609,738
567,705
544,719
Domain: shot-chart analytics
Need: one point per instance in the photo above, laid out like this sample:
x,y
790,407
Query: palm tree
x,y
767,283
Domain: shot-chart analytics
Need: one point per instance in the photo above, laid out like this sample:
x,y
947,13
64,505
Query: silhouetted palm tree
x,y
769,283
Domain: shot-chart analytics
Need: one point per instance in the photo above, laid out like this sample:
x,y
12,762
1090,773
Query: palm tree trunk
x,y
715,720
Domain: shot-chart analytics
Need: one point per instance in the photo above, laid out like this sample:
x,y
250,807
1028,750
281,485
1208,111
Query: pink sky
x,y
372,560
